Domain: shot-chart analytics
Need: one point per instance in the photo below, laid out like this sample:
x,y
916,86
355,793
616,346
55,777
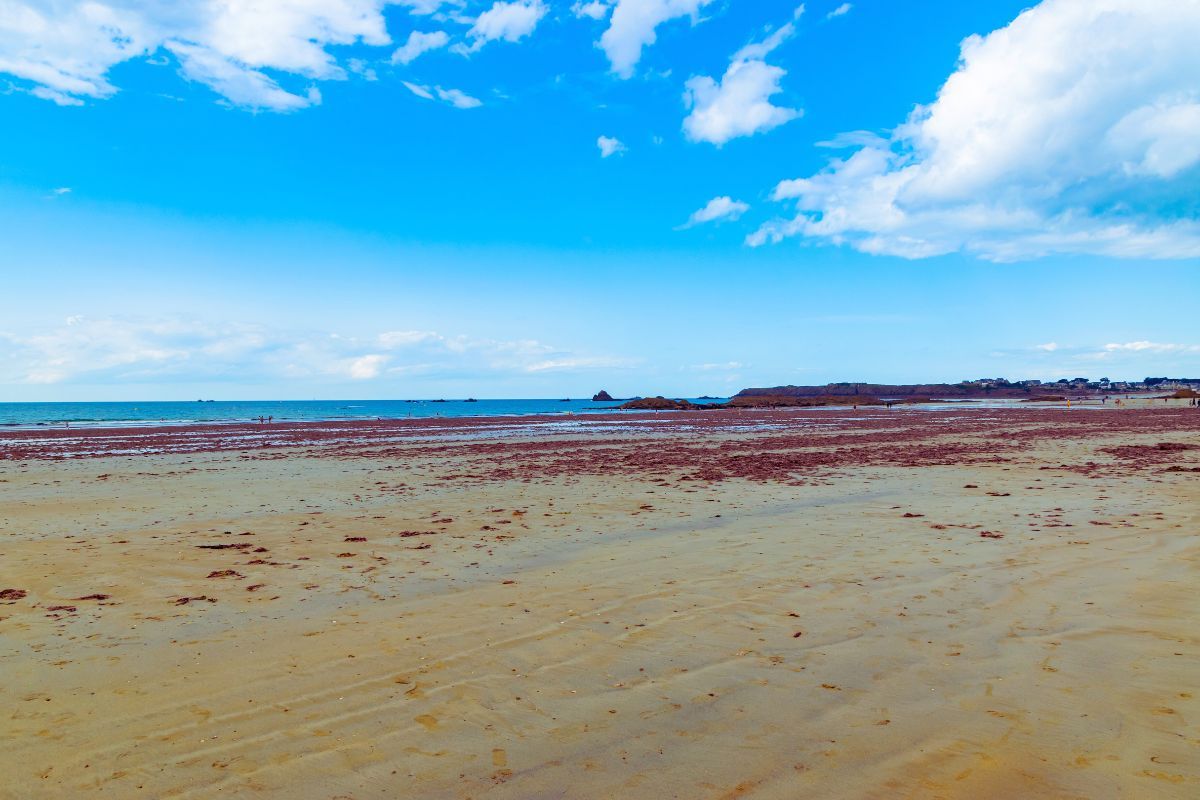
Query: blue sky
x,y
232,206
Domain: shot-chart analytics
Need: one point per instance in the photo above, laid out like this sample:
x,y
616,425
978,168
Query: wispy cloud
x,y
1151,347
717,210
453,97
841,10
1124,360
254,55
114,350
67,49
418,43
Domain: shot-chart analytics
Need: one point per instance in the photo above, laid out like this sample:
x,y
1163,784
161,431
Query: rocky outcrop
x,y
659,403
602,397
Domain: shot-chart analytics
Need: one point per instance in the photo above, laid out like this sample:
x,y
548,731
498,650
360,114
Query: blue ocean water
x,y
215,411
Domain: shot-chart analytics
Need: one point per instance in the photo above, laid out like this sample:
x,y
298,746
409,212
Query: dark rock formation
x,y
659,403
602,397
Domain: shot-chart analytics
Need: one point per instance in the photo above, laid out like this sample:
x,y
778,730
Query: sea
x,y
140,414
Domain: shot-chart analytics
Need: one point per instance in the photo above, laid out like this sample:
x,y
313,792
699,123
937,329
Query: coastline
x,y
732,604
46,416
92,441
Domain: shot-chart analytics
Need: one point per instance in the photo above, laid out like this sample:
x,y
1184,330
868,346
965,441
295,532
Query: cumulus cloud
x,y
739,104
418,43
239,48
366,367
453,97
1074,129
1048,347
633,26
592,10
716,210
504,21
85,350
610,146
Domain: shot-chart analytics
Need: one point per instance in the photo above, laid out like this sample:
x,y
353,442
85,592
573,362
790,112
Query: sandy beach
x,y
968,603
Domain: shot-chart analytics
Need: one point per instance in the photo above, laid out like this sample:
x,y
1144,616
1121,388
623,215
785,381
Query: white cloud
x,y
394,339
592,10
54,96
418,43
367,367
610,146
1074,129
426,7
1151,347
844,8
66,49
1048,347
249,88
418,90
454,97
739,105
716,210
84,350
575,364
457,98
504,21
361,67
632,28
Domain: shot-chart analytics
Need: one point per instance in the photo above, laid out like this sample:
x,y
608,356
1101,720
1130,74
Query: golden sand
x,y
597,636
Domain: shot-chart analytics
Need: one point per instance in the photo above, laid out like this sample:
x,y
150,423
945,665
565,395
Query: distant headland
x,y
855,393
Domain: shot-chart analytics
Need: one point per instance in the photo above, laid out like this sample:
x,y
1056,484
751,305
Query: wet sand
x,y
775,604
